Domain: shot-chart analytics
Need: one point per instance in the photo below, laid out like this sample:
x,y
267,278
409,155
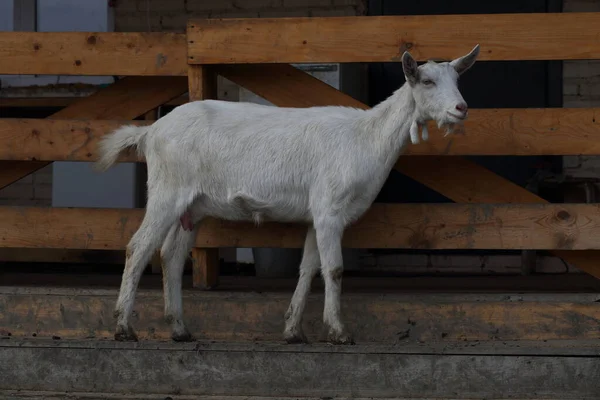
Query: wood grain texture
x,y
464,181
550,36
519,132
457,178
57,140
93,53
298,86
62,101
202,84
257,316
205,268
412,226
489,132
126,99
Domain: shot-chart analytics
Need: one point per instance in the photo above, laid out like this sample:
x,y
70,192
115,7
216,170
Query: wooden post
x,y
202,84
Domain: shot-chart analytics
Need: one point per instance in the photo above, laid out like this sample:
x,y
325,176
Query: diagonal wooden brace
x,y
126,99
457,178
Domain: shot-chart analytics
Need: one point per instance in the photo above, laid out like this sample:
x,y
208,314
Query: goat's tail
x,y
111,145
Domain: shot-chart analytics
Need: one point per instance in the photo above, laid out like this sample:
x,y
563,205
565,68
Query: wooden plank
x,y
459,179
68,256
63,101
411,226
298,85
56,140
93,53
464,181
550,36
521,132
257,315
125,99
552,131
541,288
205,268
202,84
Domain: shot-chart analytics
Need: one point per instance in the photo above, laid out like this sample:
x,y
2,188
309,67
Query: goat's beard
x,y
452,127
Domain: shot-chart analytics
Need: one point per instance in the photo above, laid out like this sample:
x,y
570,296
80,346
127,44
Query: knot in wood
x,y
563,215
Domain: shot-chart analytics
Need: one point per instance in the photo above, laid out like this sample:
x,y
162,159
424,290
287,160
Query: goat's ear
x,y
411,69
465,62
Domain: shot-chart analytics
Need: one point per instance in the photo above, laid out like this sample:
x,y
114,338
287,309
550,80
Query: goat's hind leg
x,y
173,255
161,214
309,267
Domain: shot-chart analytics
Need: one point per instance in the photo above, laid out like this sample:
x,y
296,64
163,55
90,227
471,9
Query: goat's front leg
x,y
309,267
173,254
329,241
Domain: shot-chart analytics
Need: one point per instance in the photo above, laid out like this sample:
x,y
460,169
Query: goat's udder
x,y
186,221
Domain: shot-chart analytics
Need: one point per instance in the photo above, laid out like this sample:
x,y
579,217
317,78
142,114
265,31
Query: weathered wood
x,y
205,268
464,181
257,316
489,132
540,288
93,53
126,99
414,226
520,132
63,101
256,370
459,179
56,140
550,36
298,86
70,256
202,84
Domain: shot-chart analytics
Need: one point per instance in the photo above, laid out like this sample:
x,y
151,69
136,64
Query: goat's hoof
x,y
294,336
338,338
125,334
184,336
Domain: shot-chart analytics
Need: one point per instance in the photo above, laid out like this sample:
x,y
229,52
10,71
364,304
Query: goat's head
x,y
435,88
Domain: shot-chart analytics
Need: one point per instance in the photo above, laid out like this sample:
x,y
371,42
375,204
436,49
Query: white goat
x,y
240,161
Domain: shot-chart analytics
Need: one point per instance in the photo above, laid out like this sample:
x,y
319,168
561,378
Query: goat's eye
x,y
427,82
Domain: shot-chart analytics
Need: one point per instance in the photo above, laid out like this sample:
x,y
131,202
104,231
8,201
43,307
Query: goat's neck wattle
x,y
389,124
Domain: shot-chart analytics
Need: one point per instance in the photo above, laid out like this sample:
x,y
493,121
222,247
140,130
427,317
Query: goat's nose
x,y
462,107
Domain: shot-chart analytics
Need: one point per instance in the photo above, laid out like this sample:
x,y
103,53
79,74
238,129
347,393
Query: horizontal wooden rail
x,y
63,101
93,53
57,140
552,131
537,36
415,226
302,40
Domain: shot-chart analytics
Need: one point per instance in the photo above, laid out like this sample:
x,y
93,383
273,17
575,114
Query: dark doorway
x,y
489,84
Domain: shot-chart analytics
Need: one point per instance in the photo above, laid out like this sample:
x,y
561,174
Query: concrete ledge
x,y
532,370
45,395
250,316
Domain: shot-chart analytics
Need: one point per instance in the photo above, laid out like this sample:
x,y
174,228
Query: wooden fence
x,y
255,53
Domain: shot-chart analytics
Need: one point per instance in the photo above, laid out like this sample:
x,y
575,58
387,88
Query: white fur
x,y
240,161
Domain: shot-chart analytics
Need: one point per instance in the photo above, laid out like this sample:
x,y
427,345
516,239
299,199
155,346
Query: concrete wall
x,y
171,15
